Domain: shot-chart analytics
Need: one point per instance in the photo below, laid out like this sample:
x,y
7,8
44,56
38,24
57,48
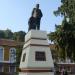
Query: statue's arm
x,y
41,13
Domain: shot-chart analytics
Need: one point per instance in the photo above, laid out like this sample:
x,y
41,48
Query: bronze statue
x,y
34,21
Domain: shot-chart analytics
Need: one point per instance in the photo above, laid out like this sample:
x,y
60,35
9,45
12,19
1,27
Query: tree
x,y
19,36
8,34
2,35
67,9
64,35
64,39
18,54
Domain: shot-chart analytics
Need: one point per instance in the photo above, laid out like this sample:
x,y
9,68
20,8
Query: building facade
x,y
8,49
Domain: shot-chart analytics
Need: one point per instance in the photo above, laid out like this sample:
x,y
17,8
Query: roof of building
x,y
10,42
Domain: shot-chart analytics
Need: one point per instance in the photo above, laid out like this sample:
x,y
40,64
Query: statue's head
x,y
37,6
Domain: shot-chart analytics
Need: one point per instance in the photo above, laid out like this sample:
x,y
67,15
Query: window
x,y
24,55
40,56
1,54
12,55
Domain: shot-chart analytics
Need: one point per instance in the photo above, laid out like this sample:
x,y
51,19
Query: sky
x,y
14,14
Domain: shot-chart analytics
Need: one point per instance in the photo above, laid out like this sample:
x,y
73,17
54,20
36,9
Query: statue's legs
x,y
32,27
38,24
38,27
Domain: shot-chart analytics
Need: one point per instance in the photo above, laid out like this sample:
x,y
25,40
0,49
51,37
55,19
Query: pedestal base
x,y
40,73
36,56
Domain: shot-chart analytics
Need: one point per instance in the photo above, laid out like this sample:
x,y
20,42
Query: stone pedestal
x,y
36,56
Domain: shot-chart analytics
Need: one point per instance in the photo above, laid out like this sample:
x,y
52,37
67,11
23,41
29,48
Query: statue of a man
x,y
37,14
34,20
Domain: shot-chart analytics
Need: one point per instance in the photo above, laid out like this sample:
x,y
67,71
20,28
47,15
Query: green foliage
x,y
64,35
8,34
18,54
67,9
19,36
64,39
2,35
